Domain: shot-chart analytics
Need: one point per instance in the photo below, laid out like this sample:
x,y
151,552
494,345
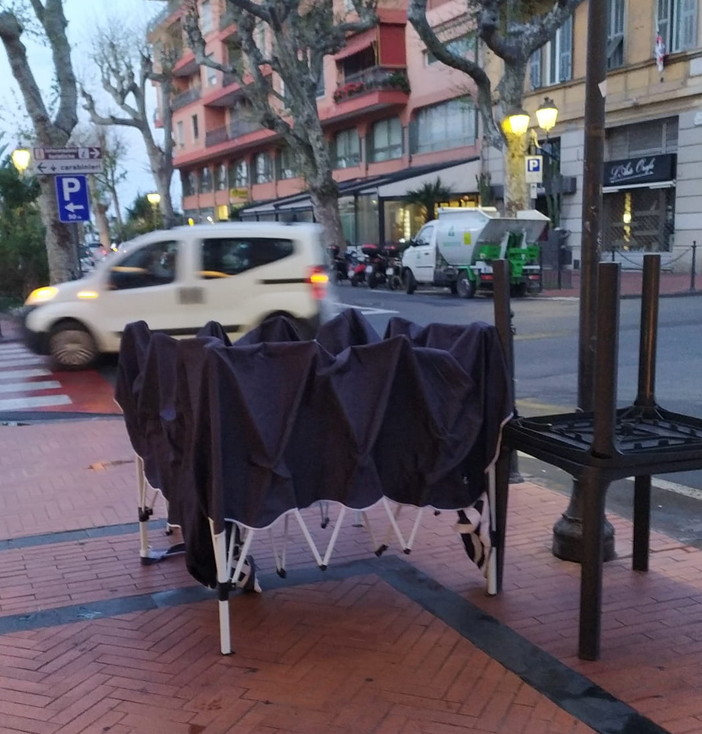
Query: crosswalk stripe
x,y
19,362
43,401
23,374
29,386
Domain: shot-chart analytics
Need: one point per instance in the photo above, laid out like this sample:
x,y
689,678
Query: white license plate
x,y
389,271
350,274
369,269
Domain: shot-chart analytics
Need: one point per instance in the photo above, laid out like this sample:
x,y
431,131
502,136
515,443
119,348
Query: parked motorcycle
x,y
376,265
356,271
340,263
393,269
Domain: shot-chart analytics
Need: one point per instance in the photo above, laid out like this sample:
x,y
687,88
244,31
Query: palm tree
x,y
428,196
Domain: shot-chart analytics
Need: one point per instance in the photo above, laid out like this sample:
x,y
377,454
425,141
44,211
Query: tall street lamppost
x,y
154,198
516,124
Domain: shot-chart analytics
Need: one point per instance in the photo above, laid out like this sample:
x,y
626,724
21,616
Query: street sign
x,y
92,152
72,197
534,168
57,161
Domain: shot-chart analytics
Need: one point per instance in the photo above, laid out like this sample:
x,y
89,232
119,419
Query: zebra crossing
x,y
26,382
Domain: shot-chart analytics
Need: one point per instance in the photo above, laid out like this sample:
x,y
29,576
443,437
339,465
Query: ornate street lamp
x,y
21,158
547,115
516,122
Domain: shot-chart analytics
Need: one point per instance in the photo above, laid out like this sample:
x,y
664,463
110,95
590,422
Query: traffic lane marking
x,y
370,310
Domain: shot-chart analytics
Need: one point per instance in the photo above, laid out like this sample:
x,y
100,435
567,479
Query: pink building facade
x,y
393,116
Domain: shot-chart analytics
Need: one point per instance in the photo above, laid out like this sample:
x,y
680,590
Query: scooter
x,y
356,271
393,269
376,264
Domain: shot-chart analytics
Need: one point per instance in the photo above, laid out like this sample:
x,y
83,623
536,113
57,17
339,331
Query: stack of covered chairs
x,y
240,437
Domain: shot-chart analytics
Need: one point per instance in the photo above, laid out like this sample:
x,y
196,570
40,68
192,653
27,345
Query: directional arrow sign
x,y
67,154
72,197
75,165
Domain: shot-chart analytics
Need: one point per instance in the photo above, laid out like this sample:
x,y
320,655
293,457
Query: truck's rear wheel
x,y
518,290
409,281
72,347
464,286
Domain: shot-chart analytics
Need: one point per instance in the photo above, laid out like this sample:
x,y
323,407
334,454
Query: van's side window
x,y
423,237
148,266
226,256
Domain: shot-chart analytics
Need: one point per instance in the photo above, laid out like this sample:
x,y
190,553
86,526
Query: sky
x,y
83,18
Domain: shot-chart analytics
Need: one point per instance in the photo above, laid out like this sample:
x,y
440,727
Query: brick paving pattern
x,y
314,653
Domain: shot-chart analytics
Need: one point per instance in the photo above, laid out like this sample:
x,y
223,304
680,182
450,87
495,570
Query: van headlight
x,y
41,295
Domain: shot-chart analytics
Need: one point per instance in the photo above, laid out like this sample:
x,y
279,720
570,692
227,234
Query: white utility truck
x,y
457,249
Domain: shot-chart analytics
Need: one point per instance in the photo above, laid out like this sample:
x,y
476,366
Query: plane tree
x,y
50,128
289,38
512,30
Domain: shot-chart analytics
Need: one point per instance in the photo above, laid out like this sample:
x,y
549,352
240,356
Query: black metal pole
x,y
694,265
567,532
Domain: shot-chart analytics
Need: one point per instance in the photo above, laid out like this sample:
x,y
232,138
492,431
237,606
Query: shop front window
x,y
639,220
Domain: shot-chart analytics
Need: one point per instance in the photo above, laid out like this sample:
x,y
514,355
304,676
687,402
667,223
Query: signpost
x,y
58,161
72,197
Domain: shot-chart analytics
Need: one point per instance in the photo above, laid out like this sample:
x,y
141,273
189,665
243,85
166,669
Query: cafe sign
x,y
639,170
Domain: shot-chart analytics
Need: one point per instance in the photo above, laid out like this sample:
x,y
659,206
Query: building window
x,y
615,33
386,140
287,166
677,24
461,46
221,181
239,175
262,168
347,149
189,183
553,62
196,128
443,126
206,20
206,181
180,135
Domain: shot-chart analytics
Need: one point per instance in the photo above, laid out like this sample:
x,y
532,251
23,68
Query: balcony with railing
x,y
185,98
237,128
374,88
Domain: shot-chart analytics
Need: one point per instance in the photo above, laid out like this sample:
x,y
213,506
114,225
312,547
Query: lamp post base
x,y
568,539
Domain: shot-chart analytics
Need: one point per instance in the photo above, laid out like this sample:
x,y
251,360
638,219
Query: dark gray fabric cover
x,y
252,430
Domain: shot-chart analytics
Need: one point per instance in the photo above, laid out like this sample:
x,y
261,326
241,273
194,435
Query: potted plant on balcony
x,y
348,90
398,80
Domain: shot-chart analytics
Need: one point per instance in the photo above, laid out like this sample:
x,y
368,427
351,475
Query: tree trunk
x,y
325,205
60,249
516,195
100,213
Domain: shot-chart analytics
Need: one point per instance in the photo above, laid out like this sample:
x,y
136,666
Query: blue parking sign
x,y
534,168
72,198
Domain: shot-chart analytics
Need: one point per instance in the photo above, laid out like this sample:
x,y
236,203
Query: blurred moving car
x,y
177,280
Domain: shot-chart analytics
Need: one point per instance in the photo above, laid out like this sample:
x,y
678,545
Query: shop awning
x,y
358,43
461,178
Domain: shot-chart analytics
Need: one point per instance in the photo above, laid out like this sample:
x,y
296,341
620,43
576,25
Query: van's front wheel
x,y
72,347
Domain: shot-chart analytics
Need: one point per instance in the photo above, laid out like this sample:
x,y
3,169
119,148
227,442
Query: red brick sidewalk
x,y
92,641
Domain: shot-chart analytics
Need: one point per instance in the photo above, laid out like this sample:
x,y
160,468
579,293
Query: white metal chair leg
x,y
308,538
280,556
219,545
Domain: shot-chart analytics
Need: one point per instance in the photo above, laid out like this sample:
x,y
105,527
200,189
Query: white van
x,y
179,279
